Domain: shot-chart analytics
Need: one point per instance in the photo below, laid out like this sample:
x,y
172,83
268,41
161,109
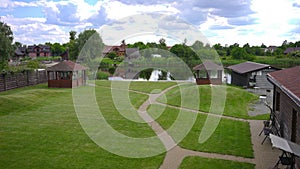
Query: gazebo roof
x,y
208,65
66,66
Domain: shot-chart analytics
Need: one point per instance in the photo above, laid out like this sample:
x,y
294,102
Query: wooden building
x,y
39,50
208,73
66,74
119,50
286,104
251,74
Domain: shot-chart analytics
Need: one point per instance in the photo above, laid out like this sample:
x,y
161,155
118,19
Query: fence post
x,y
4,81
27,79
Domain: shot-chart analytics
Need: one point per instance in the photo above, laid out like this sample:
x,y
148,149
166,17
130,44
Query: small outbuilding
x,y
66,74
251,74
208,73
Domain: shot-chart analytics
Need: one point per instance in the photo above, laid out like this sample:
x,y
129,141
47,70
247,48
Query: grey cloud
x,y
230,9
297,5
196,11
218,27
100,18
65,17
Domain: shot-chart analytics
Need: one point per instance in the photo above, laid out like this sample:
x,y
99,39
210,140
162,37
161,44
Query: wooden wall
x,y
27,78
285,114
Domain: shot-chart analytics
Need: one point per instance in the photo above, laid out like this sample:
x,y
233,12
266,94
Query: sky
x,y
220,21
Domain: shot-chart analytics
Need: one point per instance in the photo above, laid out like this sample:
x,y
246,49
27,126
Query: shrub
x,y
111,70
33,64
102,75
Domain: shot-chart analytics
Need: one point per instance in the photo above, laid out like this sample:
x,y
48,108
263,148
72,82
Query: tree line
x,y
192,55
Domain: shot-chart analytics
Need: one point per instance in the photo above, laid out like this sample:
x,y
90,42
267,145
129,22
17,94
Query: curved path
x,y
176,154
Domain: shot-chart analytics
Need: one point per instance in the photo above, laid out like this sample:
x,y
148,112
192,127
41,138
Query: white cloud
x,y
246,21
117,10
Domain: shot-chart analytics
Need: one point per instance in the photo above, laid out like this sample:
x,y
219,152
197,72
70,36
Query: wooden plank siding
x,y
21,79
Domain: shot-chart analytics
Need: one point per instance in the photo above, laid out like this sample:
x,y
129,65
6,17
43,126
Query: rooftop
x,y
66,66
288,80
208,65
247,67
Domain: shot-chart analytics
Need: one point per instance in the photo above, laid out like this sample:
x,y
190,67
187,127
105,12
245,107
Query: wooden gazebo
x,y
66,74
208,73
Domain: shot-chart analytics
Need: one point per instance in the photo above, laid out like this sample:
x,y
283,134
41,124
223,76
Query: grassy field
x,y
39,129
205,163
237,101
230,137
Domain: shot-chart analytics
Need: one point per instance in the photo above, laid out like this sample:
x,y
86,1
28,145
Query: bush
x,y
111,70
102,75
33,64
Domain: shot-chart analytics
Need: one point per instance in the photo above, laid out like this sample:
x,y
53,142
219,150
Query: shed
x,y
208,73
251,74
66,74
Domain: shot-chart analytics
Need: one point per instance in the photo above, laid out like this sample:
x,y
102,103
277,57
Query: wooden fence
x,y
27,78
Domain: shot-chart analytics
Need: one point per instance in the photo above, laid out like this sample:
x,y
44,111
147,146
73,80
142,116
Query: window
x,y
294,125
277,102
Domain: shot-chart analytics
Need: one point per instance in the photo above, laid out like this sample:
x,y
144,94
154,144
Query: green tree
x,y
72,45
239,53
197,45
57,49
33,64
6,47
83,37
72,35
112,55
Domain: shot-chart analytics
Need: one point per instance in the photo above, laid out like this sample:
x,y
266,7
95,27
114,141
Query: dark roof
x,y
20,51
43,48
208,65
247,67
292,49
66,66
288,80
108,49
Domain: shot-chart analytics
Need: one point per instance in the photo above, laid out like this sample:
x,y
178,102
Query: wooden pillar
x,y
4,81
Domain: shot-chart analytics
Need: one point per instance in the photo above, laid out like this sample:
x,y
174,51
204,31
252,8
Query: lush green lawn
x,y
39,129
230,137
141,86
236,103
206,163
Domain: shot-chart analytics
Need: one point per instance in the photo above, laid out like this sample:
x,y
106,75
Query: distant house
x,y
292,49
271,49
39,50
286,104
251,74
65,55
208,73
119,50
20,52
